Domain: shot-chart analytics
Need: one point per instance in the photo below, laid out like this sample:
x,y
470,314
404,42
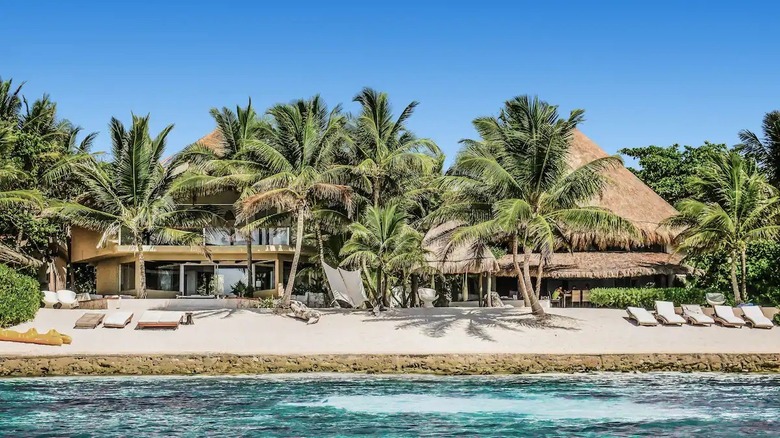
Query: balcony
x,y
229,237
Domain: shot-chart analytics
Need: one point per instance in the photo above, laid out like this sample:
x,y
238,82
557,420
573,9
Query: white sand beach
x,y
401,331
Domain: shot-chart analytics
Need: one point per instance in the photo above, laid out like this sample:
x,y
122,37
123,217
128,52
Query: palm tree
x,y
735,205
515,187
767,150
388,154
292,169
385,242
217,169
133,193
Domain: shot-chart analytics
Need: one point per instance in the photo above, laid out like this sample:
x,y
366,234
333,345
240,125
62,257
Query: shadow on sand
x,y
437,322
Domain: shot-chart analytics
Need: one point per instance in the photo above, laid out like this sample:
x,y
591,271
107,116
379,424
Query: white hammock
x,y
347,286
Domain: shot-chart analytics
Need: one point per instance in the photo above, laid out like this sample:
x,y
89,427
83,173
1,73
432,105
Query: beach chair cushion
x,y
117,319
665,311
756,317
726,314
156,318
642,316
695,313
89,321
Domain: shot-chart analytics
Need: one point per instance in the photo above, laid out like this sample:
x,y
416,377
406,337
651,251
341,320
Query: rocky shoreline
x,y
444,364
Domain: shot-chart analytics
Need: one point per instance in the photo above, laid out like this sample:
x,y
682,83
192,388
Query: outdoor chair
x,y
117,319
755,317
695,315
724,315
50,299
641,316
67,298
664,312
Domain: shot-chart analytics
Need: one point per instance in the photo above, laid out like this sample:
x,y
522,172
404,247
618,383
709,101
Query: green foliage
x,y
622,297
667,170
20,297
765,150
267,303
776,319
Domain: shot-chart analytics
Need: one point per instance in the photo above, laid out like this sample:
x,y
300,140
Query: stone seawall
x,y
444,364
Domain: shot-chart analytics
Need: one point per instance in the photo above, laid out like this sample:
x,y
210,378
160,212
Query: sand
x,y
396,332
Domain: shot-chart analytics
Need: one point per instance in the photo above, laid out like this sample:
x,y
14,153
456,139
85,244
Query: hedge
x,y
20,297
622,297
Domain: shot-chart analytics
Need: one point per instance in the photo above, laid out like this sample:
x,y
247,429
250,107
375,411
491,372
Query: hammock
x,y
347,286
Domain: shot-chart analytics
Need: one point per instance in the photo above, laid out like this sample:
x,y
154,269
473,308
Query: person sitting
x,y
558,295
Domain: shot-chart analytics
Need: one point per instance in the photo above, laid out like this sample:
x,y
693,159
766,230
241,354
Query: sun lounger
x,y
695,315
664,312
160,319
67,298
755,317
117,319
50,299
89,321
641,316
724,315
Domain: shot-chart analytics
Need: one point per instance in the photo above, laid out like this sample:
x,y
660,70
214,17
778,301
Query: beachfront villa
x,y
652,261
181,270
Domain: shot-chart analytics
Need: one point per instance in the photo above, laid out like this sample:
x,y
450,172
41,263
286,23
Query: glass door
x,y
199,280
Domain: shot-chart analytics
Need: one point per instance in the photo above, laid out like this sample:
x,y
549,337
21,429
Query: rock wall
x,y
384,364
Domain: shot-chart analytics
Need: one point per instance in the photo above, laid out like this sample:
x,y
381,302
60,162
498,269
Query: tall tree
x,y
133,193
734,206
295,157
766,150
215,169
514,186
387,153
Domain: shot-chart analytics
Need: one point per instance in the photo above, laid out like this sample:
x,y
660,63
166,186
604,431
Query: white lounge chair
x,y
67,298
695,315
755,317
641,316
160,319
724,315
50,299
664,312
117,319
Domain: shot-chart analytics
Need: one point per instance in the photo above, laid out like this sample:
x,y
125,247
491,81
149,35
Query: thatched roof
x,y
626,195
612,264
212,140
456,260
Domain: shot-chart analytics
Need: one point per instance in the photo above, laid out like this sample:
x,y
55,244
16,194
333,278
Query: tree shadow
x,y
436,323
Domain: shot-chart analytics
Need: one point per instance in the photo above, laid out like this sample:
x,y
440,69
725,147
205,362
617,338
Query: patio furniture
x,y
188,318
117,319
664,312
585,298
576,297
160,319
427,296
67,298
50,299
724,315
346,286
715,299
641,316
755,317
695,315
89,321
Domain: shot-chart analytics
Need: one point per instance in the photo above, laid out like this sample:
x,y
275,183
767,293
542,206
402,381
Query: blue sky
x,y
645,72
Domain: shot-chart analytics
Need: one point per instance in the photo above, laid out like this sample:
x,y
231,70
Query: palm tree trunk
x,y
140,290
536,308
743,260
379,294
250,281
734,284
321,251
539,272
520,283
375,190
296,258
413,297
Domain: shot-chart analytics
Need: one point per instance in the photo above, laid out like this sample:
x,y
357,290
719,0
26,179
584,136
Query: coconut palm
x,y
515,187
765,150
383,241
132,194
217,169
387,154
293,172
735,206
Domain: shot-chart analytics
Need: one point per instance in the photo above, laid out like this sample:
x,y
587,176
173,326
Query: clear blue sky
x,y
645,72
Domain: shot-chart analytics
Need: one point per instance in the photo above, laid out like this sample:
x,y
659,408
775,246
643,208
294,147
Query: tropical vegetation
x,y
362,190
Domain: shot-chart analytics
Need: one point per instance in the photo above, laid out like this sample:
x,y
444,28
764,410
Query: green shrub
x,y
622,297
776,319
20,297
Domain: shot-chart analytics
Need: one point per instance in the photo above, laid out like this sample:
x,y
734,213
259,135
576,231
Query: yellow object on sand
x,y
52,337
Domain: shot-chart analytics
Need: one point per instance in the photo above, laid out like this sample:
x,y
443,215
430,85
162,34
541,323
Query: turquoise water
x,y
344,405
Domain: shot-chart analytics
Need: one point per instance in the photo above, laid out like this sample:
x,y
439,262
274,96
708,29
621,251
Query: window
x,y
231,280
127,276
163,276
264,275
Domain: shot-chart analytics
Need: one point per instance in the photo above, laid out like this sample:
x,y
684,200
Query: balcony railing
x,y
229,237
